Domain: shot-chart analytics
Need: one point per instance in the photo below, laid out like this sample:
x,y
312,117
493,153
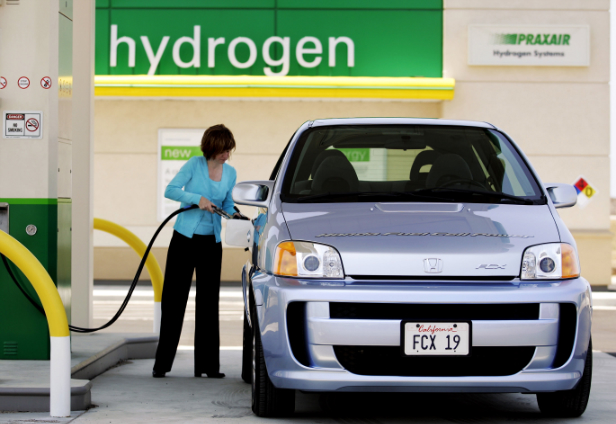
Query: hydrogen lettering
x,y
308,51
154,58
195,42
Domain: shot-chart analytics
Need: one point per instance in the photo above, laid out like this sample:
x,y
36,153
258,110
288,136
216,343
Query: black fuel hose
x,y
133,284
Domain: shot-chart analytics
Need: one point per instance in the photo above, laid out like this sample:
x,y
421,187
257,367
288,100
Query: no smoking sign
x,y
22,124
32,125
46,83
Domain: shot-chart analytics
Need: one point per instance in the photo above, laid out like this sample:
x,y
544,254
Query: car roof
x,y
399,121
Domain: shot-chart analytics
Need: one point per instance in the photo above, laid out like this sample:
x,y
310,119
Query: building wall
x,y
125,164
558,115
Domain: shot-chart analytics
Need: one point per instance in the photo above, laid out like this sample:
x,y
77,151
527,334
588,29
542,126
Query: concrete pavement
x,y
128,393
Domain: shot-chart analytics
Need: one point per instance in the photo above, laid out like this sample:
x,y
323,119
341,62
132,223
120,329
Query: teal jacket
x,y
192,182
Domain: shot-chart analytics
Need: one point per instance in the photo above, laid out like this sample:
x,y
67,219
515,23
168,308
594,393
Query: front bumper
x,y
322,370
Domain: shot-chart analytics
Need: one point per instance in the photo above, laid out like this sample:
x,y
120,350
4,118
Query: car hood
x,y
424,239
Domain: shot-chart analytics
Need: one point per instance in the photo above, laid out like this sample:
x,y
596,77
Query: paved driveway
x,y
129,394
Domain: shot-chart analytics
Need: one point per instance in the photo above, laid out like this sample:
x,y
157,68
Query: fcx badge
x,y
433,265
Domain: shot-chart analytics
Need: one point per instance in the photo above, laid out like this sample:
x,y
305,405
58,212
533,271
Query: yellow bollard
x,y
151,263
60,363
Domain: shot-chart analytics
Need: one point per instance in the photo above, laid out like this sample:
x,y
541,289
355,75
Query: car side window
x,y
274,174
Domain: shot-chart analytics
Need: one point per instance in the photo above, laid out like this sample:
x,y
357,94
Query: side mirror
x,y
239,232
562,195
253,193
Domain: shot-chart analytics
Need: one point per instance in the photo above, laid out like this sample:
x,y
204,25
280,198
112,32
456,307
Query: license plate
x,y
436,338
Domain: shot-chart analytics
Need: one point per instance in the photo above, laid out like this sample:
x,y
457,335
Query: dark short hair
x,y
217,139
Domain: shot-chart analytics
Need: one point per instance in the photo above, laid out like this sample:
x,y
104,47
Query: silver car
x,y
411,255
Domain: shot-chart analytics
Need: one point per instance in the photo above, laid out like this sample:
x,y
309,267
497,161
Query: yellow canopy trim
x,y
263,86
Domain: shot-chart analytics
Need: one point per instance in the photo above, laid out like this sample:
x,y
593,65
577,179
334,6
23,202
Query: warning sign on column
x,y
584,190
19,124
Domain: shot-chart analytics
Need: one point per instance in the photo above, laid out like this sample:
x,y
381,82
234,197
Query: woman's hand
x,y
206,205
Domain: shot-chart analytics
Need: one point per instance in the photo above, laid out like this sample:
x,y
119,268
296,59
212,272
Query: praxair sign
x,y
529,45
262,37
533,39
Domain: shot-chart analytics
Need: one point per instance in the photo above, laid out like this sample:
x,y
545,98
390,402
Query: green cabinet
x,y
24,332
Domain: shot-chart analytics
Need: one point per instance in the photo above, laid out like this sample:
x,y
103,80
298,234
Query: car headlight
x,y
304,259
550,261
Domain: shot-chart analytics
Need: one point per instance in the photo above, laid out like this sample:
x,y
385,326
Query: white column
x,y
60,377
157,315
83,159
612,98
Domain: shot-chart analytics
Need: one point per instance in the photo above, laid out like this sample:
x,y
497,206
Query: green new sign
x,y
179,152
399,38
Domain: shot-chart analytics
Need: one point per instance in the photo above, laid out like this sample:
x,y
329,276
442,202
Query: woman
x,y
206,181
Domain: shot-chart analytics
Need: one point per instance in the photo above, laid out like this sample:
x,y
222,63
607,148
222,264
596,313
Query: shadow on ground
x,y
372,408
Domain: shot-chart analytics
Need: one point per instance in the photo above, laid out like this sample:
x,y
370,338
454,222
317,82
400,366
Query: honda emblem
x,y
433,265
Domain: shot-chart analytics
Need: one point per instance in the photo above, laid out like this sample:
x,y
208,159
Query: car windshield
x,y
356,163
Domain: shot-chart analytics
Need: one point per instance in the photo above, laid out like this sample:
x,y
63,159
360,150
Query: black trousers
x,y
185,255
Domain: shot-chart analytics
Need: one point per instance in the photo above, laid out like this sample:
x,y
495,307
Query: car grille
x,y
459,312
388,360
566,334
296,329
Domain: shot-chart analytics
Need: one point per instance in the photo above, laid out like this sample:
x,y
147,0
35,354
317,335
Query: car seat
x,y
446,168
302,186
335,175
418,178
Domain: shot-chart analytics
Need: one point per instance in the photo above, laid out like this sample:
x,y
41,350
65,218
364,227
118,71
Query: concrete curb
x,y
129,348
36,399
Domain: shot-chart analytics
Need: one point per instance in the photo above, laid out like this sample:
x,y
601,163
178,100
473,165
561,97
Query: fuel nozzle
x,y
222,213
241,215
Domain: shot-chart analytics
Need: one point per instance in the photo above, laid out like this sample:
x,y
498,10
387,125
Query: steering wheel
x,y
468,181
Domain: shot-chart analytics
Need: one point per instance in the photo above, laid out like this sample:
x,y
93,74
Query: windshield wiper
x,y
497,194
370,193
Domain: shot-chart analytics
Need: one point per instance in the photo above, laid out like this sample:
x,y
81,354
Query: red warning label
x,y
23,124
32,125
46,83
580,184
23,82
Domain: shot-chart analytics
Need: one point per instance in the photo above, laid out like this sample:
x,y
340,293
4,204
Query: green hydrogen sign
x,y
398,38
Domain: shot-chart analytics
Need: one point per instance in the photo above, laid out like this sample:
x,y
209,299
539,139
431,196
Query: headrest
x,y
448,167
423,158
322,156
335,175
